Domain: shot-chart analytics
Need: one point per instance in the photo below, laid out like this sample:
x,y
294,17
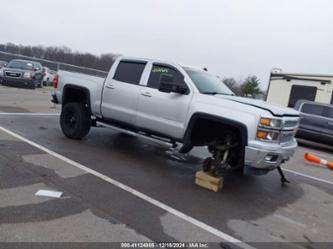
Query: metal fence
x,y
54,65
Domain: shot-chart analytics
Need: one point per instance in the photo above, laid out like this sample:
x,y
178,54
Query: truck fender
x,y
74,93
225,121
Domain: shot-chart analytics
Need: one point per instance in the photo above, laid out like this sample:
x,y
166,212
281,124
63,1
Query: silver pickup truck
x,y
167,101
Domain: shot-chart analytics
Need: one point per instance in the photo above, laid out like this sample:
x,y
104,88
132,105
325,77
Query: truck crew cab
x,y
165,100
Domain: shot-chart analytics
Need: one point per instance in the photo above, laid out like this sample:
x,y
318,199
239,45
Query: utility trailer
x,y
285,89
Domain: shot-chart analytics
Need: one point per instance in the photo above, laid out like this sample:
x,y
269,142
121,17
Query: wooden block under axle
x,y
208,181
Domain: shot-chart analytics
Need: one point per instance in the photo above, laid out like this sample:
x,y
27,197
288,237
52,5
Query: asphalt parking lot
x,y
120,188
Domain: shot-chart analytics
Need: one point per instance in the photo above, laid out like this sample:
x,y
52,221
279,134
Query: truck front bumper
x,y
266,156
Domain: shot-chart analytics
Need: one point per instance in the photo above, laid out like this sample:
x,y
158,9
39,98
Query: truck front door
x,y
161,112
121,93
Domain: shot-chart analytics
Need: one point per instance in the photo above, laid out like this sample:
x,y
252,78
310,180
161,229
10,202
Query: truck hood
x,y
279,111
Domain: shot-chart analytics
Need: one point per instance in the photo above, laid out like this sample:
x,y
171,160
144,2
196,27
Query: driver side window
x,y
158,70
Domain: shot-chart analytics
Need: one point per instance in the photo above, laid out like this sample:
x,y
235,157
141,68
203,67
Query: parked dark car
x,y
22,73
316,121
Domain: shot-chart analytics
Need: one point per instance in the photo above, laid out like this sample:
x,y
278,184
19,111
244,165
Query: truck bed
x,y
93,83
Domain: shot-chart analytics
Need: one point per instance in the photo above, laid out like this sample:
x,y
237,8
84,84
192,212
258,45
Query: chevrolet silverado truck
x,y
182,105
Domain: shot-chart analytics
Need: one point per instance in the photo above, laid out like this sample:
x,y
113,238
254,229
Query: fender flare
x,y
79,88
238,125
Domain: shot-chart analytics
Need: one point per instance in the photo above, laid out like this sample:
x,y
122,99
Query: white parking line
x,y
28,114
317,151
200,224
307,176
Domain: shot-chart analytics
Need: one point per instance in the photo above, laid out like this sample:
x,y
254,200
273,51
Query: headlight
x,y
268,135
271,123
1,72
27,75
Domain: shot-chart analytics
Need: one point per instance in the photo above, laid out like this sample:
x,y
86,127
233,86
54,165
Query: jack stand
x,y
217,163
283,179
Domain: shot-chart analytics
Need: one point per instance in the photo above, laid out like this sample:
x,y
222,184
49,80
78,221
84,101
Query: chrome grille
x,y
289,128
286,137
13,74
290,124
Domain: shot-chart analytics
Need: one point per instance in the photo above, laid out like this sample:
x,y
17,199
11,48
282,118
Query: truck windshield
x,y
25,65
207,83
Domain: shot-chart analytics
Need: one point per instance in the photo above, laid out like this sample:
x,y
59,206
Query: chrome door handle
x,y
110,86
146,94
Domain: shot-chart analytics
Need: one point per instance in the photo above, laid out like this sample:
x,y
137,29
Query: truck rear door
x,y
121,92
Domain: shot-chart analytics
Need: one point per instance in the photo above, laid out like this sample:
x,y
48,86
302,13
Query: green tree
x,y
251,86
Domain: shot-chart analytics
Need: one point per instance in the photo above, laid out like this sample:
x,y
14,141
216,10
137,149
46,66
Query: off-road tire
x,y
75,120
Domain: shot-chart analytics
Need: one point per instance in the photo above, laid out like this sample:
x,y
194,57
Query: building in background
x,y
286,88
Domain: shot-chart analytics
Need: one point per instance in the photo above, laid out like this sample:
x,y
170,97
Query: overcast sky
x,y
232,38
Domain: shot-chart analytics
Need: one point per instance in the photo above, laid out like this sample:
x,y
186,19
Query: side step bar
x,y
153,138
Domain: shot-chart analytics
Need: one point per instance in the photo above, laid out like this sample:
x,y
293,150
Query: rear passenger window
x,y
313,109
129,72
158,70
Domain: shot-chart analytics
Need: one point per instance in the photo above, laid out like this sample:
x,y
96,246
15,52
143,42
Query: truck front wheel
x,y
75,120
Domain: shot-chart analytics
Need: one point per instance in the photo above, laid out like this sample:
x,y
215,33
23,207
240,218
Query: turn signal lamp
x,y
262,134
265,121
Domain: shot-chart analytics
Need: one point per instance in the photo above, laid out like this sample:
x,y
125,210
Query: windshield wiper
x,y
211,93
217,93
228,94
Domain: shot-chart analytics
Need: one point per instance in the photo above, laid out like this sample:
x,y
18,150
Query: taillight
x,y
55,81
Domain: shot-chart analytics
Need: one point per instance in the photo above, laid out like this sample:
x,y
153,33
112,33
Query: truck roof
x,y
158,61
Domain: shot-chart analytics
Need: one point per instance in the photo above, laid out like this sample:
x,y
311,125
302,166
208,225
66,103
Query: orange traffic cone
x,y
312,158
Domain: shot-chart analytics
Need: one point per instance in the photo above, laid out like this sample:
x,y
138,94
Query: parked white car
x,y
48,76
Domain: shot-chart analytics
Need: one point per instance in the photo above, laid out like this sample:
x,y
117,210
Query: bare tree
x,y
232,84
62,54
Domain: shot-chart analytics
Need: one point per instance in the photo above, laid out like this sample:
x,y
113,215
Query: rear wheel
x,y
75,120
